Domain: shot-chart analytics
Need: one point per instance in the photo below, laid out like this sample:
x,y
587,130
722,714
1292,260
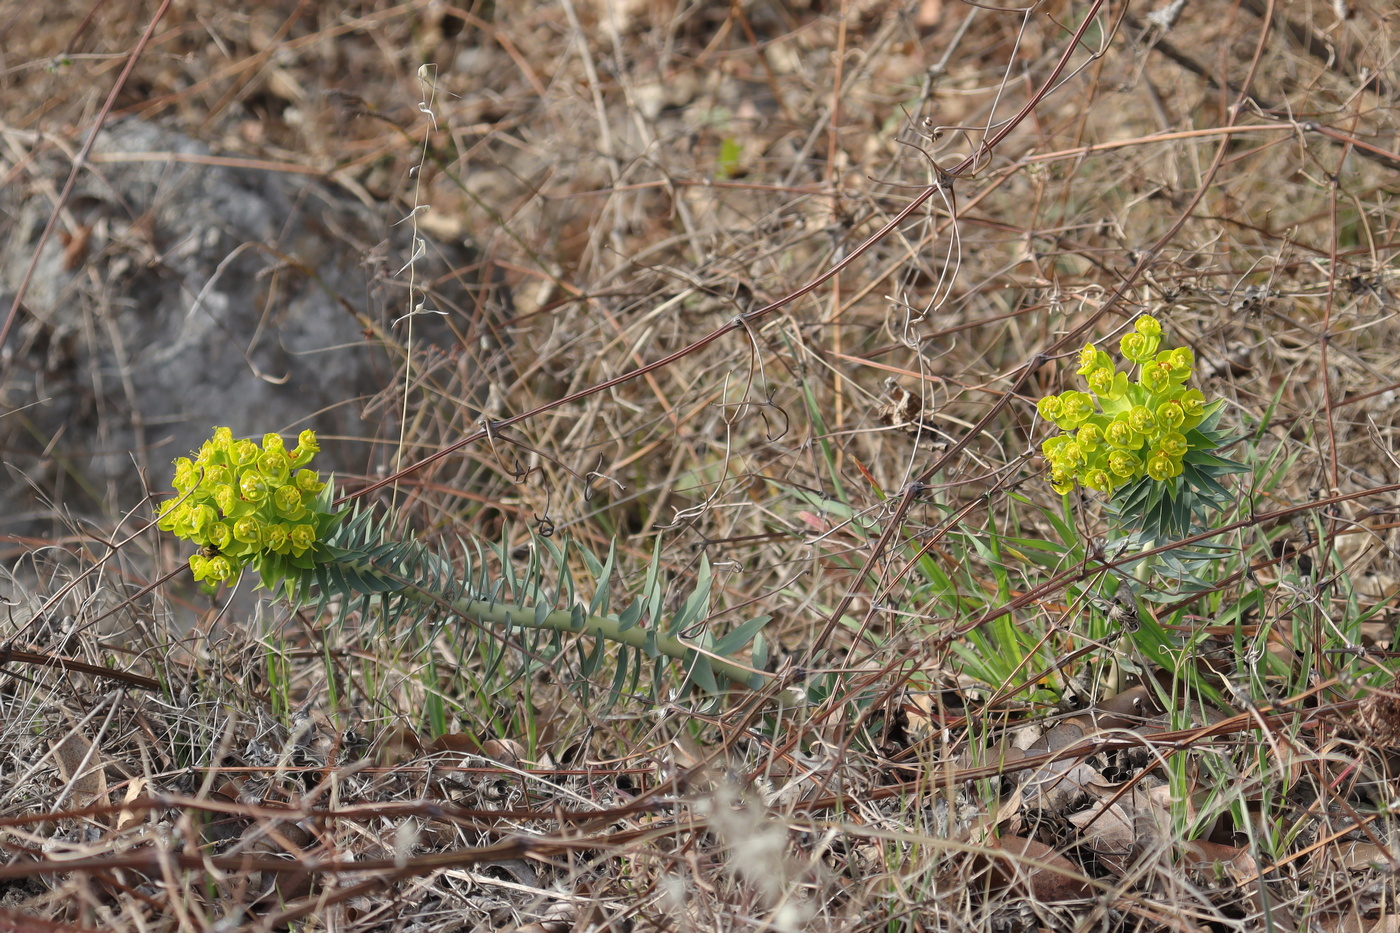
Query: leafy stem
x,y
246,505
573,621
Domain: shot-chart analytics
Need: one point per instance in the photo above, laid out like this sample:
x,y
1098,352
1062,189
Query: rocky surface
x,y
181,293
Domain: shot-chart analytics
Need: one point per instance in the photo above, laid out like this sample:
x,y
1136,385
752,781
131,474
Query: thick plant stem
x,y
1143,571
561,620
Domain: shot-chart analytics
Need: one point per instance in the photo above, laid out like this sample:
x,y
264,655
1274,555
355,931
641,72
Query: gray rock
x,y
206,295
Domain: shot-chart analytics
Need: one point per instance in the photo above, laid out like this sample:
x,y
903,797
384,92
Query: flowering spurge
x,y
261,507
242,503
1145,443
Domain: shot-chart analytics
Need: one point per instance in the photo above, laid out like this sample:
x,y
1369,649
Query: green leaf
x,y
619,678
700,674
1063,522
590,662
602,581
697,605
630,616
651,592
564,592
740,636
1201,458
507,565
591,561
758,658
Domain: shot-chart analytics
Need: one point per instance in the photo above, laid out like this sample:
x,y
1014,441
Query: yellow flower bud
x,y
1174,445
218,569
308,482
1075,409
1099,481
275,466
1089,436
173,515
1193,403
187,475
307,447
1138,347
287,501
302,537
1120,434
1101,381
1088,359
243,453
1141,420
226,499
1171,415
1124,464
1109,384
1182,361
219,534
1161,467
216,475
1148,326
197,518
253,487
1156,376
248,530
278,538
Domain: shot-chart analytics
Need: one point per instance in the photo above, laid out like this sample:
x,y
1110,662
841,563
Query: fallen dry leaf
x,y
1037,869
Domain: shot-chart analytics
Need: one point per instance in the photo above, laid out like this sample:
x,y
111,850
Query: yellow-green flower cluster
x,y
237,500
1124,430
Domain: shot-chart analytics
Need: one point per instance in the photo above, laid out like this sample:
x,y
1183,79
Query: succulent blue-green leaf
x,y
740,636
651,590
603,578
758,658
630,616
619,678
700,673
590,662
697,605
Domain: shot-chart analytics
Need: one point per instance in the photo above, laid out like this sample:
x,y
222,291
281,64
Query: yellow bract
x,y
1124,430
241,502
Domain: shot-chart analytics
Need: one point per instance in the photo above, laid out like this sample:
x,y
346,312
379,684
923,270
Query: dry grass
x,y
959,738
